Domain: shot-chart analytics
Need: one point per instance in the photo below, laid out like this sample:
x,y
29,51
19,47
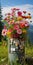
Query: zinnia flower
x,y
29,14
27,25
24,12
9,31
29,17
16,27
4,32
19,31
19,18
24,31
19,13
24,17
22,25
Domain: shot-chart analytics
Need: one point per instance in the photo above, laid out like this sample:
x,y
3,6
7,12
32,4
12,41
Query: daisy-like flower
x,y
19,18
4,32
16,27
24,31
19,31
26,25
19,13
22,25
9,33
29,14
24,12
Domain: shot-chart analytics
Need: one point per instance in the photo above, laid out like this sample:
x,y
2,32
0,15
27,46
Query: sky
x,y
15,2
22,4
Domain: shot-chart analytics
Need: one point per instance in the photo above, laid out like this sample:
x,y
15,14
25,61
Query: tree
x,y
1,24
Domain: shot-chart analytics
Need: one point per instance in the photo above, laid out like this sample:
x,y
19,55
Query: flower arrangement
x,y
15,23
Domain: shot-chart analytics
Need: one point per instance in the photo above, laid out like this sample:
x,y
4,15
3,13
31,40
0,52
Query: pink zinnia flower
x,y
4,31
16,27
19,31
26,25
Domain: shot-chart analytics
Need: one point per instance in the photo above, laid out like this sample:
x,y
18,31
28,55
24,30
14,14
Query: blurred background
x,y
5,6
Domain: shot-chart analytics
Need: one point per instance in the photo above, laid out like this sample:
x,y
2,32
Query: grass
x,y
29,51
4,53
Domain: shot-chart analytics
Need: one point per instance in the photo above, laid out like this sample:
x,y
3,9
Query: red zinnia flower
x,y
22,25
19,13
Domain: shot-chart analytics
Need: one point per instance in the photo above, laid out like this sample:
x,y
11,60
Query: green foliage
x,y
29,51
0,43
3,52
1,24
